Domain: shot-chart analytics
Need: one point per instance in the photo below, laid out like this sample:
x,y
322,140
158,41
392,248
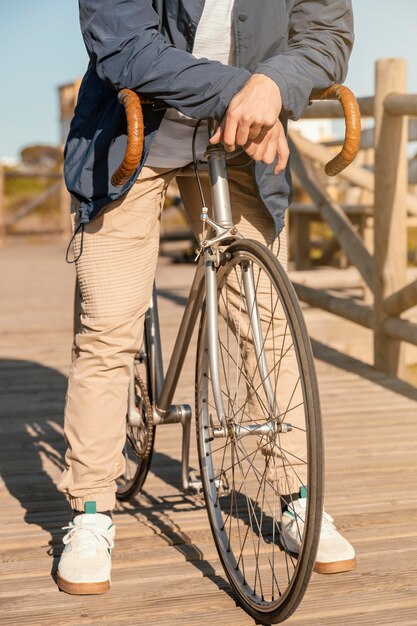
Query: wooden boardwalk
x,y
166,572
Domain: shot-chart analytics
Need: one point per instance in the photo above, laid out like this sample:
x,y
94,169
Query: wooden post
x,y
390,227
2,215
300,227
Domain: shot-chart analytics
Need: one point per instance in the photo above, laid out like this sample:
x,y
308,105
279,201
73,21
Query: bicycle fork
x,y
224,230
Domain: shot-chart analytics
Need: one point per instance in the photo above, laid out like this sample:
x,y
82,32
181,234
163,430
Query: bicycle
x,y
257,440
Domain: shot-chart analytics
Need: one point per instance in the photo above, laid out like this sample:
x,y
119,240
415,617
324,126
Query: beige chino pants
x,y
116,271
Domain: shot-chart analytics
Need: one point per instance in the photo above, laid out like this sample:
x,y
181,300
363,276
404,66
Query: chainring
x,y
141,437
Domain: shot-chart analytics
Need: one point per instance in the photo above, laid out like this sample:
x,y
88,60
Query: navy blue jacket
x,y
146,45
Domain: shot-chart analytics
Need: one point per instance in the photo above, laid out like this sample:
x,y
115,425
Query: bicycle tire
x,y
137,465
233,526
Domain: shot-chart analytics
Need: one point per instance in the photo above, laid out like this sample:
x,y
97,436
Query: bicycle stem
x,y
222,211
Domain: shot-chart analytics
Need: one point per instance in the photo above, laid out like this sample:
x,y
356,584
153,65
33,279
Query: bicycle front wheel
x,y
267,451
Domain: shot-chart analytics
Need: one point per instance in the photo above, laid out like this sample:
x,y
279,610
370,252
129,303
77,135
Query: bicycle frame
x,y
163,387
228,268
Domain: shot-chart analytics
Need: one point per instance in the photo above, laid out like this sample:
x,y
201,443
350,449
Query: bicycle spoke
x,y
260,461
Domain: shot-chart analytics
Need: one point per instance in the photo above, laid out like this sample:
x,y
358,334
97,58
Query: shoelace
x,y
327,522
87,537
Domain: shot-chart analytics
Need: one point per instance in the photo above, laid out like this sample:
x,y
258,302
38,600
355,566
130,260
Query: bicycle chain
x,y
144,450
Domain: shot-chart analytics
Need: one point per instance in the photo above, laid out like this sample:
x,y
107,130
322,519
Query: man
x,y
203,59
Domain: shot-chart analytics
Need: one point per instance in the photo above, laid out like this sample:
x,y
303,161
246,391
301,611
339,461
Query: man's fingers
x,y
250,132
243,133
252,146
261,145
257,131
270,152
218,135
283,153
230,130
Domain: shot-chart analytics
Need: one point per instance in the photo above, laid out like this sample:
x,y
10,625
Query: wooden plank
x,y
402,300
166,570
311,209
354,174
400,330
401,104
331,109
345,307
390,237
367,137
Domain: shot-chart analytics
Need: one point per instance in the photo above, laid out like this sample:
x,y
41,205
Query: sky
x,y
41,47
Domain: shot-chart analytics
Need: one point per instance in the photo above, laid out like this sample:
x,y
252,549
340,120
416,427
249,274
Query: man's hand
x,y
251,121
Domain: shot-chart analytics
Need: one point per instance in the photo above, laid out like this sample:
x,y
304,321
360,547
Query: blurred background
x,y
42,48
353,262
43,61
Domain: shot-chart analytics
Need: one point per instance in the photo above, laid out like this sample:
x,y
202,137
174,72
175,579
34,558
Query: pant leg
x,y
254,222
115,273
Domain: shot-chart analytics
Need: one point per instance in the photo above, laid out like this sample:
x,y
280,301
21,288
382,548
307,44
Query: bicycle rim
x,y
254,469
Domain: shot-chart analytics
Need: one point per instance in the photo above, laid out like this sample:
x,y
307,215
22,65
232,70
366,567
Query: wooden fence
x,y
56,191
384,268
382,263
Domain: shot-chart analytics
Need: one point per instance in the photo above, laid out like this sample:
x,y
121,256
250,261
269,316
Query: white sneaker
x,y
334,554
85,564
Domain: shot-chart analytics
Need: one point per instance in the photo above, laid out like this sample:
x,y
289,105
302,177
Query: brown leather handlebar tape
x,y
132,103
352,127
135,136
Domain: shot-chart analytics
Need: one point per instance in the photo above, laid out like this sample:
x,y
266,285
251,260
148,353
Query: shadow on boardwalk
x,y
31,420
355,366
158,513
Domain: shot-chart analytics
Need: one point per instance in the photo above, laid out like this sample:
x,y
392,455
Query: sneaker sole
x,y
335,567
82,589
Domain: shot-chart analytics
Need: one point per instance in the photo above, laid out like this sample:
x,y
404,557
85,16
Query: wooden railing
x,y
383,265
56,191
383,270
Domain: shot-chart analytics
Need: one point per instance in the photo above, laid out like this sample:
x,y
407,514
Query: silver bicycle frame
x,y
222,217
163,387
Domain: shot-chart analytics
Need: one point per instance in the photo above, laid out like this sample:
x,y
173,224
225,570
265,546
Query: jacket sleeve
x,y
126,50
319,46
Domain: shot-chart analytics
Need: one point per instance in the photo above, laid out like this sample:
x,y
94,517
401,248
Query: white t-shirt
x,y
214,40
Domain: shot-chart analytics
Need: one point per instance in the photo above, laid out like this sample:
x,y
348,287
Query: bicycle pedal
x,y
195,484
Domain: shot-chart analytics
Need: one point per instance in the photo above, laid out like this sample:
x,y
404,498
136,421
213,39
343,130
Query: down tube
x,y
183,341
